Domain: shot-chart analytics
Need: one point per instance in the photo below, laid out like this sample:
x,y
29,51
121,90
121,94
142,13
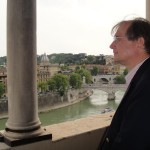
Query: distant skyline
x,y
76,26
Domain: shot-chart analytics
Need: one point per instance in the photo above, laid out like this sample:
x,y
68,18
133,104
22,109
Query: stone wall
x,y
3,106
50,100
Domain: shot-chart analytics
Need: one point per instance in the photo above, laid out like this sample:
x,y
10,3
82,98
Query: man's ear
x,y
140,42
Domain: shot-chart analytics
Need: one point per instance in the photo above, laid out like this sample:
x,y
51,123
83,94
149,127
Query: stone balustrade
x,y
80,134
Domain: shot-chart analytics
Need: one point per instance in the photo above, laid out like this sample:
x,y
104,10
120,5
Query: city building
x,y
45,70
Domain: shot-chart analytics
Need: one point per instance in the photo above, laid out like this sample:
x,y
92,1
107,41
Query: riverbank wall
x,y
48,101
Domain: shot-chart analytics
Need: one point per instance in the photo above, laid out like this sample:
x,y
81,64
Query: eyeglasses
x,y
116,38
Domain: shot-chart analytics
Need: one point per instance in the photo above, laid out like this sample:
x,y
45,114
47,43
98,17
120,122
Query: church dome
x,y
44,58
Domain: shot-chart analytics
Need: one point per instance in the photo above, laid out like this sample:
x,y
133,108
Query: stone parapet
x,y
80,134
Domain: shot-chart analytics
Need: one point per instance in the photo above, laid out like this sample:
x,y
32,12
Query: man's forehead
x,y
123,27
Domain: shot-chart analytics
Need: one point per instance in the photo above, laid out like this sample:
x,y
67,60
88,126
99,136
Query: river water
x,y
95,104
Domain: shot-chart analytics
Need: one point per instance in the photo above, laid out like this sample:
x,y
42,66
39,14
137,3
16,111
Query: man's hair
x,y
139,27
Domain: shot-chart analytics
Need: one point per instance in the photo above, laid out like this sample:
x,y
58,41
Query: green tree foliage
x,y
94,71
3,60
102,59
66,58
75,80
65,67
125,72
77,68
120,79
42,86
51,84
61,83
38,59
85,73
90,59
2,89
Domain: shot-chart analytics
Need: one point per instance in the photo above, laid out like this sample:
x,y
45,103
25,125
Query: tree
x,y
94,71
120,79
125,72
51,84
85,73
65,67
77,68
90,59
2,89
42,86
75,80
61,83
102,59
3,60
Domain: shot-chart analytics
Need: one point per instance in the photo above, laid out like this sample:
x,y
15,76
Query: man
x,y
130,127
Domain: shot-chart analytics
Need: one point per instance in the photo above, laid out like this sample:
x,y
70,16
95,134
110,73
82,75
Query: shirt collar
x,y
131,73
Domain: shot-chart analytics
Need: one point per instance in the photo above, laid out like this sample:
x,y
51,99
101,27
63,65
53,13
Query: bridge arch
x,y
111,89
103,79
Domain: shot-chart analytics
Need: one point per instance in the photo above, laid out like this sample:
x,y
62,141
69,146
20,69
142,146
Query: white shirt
x,y
131,73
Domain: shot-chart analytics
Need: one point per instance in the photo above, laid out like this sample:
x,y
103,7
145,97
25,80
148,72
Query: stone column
x,y
23,121
148,9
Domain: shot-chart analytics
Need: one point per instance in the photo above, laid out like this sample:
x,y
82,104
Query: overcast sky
x,y
76,26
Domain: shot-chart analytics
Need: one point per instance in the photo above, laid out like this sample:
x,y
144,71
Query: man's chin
x,y
116,59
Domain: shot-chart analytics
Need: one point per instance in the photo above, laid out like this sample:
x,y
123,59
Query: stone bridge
x,y
104,78
111,89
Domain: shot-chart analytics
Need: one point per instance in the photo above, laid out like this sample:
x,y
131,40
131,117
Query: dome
x,y
44,58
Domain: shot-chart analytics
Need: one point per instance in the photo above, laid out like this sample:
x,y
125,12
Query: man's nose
x,y
112,45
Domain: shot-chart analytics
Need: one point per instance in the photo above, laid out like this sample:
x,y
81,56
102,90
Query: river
x,y
95,104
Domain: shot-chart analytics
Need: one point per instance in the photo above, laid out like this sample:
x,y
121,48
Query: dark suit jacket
x,y
130,127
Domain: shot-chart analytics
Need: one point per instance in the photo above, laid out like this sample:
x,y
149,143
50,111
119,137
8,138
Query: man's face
x,y
123,49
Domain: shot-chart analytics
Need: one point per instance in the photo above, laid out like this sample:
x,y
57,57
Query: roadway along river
x,y
95,104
